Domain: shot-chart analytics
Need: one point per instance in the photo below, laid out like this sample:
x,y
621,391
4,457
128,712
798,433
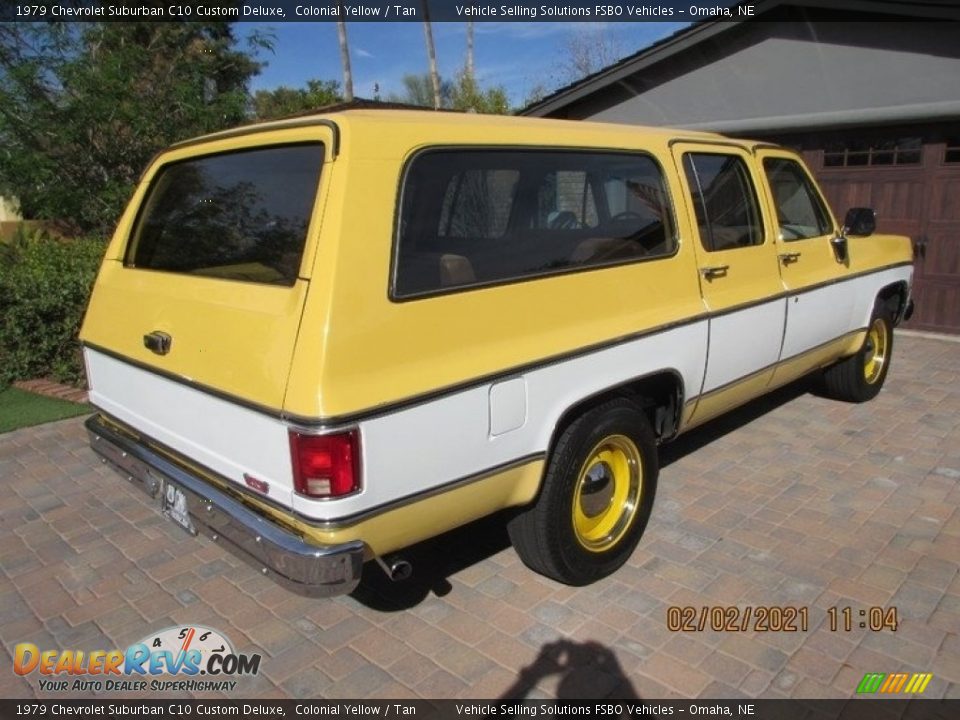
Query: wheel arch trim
x,y
631,390
897,297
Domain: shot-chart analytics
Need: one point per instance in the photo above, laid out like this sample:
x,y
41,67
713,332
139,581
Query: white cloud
x,y
360,52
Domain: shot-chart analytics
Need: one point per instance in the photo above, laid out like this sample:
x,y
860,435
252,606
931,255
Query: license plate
x,y
174,506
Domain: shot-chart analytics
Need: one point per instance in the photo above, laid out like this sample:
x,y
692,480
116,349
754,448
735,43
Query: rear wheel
x,y
596,497
860,377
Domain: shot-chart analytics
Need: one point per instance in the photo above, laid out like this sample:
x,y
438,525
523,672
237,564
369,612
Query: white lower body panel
x,y
434,443
225,437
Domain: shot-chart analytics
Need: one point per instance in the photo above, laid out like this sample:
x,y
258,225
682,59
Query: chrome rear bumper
x,y
305,568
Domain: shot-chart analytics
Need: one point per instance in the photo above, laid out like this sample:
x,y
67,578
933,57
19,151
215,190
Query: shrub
x,y
45,283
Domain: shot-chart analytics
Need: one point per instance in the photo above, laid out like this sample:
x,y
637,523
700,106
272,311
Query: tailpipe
x,y
396,568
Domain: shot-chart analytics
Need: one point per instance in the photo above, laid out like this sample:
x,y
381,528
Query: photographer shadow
x,y
585,671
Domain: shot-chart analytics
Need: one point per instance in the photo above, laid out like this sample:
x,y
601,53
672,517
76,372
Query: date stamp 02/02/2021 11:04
x,y
778,618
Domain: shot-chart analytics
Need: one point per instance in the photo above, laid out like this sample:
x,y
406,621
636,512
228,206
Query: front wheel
x,y
860,377
596,497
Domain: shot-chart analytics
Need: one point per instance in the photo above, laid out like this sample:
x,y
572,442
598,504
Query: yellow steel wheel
x,y
596,496
877,347
607,493
860,376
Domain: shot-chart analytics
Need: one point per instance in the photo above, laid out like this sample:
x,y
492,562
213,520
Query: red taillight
x,y
326,466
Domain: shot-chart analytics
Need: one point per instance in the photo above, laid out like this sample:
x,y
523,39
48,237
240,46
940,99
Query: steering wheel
x,y
564,220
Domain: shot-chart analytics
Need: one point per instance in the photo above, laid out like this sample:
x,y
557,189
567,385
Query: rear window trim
x,y
274,126
126,260
392,295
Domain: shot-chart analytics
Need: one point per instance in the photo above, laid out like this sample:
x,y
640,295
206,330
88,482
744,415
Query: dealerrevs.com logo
x,y
190,657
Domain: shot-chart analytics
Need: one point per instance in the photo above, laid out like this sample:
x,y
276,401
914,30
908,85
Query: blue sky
x,y
517,55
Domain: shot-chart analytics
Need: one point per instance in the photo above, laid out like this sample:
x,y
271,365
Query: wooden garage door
x,y
921,200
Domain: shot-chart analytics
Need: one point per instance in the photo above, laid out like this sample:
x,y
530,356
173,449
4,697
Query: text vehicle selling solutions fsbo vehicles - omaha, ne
x,y
321,340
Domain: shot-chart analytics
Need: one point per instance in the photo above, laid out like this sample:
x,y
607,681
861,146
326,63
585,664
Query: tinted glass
x,y
237,216
800,212
477,203
724,199
565,199
472,217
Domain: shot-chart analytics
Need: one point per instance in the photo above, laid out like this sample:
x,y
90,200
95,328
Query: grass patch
x,y
20,409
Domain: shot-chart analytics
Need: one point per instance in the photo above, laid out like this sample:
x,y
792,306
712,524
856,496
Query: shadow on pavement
x,y
586,671
734,420
436,559
433,562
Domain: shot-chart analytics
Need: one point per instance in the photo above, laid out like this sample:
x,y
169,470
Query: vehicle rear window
x,y
236,216
478,217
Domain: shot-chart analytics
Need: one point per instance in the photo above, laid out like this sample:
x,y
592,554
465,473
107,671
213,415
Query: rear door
x,y
192,323
737,261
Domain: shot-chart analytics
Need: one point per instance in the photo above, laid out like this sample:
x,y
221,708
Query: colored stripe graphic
x,y
914,683
895,683
871,682
923,679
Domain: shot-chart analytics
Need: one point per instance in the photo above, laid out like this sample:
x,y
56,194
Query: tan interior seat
x,y
456,270
598,250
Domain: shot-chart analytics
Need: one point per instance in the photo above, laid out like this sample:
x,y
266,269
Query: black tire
x,y
596,497
859,377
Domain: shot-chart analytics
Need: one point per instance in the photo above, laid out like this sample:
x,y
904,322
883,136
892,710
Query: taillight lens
x,y
326,466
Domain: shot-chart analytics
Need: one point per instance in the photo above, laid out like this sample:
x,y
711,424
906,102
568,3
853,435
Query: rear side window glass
x,y
478,217
565,199
477,203
236,216
728,216
800,211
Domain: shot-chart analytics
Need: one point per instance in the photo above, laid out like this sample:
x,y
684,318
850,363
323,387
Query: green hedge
x,y
45,283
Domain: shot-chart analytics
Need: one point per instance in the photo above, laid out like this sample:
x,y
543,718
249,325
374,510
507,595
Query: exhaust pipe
x,y
396,568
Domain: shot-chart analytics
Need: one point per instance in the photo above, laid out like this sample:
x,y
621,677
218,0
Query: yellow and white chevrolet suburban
x,y
321,340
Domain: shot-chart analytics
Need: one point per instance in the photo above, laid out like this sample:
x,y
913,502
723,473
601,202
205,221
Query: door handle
x,y
789,257
158,342
920,247
714,271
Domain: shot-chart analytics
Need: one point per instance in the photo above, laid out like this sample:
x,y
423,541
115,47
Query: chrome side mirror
x,y
839,244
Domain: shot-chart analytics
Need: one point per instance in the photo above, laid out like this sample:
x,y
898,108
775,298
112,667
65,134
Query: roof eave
x,y
691,36
668,47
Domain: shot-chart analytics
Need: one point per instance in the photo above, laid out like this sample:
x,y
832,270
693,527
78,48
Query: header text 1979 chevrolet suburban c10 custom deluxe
x,y
321,340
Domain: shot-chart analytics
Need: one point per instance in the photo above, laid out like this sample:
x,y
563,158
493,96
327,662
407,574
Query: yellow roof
x,y
433,121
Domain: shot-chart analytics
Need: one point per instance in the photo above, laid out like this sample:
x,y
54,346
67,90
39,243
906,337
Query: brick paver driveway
x,y
794,500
